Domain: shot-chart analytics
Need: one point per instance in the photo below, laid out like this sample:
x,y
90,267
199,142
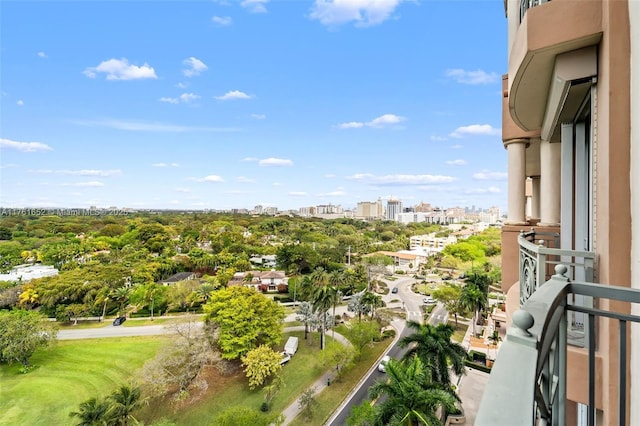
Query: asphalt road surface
x,y
412,304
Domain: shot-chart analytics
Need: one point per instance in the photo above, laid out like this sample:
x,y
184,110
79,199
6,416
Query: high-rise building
x,y
370,210
571,267
394,207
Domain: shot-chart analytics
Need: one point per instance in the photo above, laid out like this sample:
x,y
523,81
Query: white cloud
x,y
378,122
83,172
141,126
243,179
194,67
476,129
24,146
489,175
165,165
400,179
183,190
457,162
233,94
258,116
184,98
438,138
210,178
120,69
182,85
472,77
364,13
169,100
274,184
329,175
20,102
41,54
255,6
298,194
249,159
457,146
223,21
275,162
85,184
351,125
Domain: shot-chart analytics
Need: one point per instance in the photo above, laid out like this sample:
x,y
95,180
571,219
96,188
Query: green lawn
x,y
68,374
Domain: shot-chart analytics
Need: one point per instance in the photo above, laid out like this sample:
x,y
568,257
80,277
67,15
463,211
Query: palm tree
x,y
475,300
411,397
121,295
126,400
373,301
94,412
305,315
433,345
322,300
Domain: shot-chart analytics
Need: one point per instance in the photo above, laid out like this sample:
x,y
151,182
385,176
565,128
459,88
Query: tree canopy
x,y
245,319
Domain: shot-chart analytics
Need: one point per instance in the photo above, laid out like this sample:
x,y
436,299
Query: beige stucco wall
x,y
634,19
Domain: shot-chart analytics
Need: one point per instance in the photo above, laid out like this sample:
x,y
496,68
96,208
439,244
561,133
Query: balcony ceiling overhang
x,y
548,30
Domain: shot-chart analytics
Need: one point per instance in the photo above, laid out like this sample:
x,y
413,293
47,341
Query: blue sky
x,y
231,104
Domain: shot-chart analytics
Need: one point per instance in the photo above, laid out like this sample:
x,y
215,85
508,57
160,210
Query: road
x,y
412,304
111,331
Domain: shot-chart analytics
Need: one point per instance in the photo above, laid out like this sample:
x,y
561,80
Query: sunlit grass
x,y
69,373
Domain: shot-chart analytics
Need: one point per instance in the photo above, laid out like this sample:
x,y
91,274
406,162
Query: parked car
x,y
394,290
119,320
429,300
383,362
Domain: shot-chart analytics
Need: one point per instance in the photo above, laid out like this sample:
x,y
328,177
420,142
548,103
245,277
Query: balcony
x,y
535,351
538,258
548,30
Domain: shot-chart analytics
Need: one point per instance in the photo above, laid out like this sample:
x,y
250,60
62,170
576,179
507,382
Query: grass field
x,y
68,374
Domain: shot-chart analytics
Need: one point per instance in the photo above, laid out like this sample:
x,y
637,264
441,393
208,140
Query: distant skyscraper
x,y
394,207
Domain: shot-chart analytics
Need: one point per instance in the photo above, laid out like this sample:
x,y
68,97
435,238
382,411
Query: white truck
x,y
292,345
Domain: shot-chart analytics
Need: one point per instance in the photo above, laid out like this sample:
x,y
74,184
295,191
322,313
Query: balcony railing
x,y
528,4
539,255
535,351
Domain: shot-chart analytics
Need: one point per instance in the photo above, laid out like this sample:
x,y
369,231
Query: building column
x,y
549,184
535,197
516,185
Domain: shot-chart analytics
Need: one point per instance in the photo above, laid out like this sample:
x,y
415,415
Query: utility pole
x,y
349,256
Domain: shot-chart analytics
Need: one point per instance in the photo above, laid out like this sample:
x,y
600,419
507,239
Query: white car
x,y
429,300
385,359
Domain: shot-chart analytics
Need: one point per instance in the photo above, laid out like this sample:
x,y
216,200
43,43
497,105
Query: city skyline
x,y
228,105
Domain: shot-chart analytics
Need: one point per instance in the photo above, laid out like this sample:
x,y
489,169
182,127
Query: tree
x,y
22,333
475,300
358,306
307,402
94,412
305,315
260,364
433,345
450,295
362,415
372,301
362,333
177,367
126,400
323,298
411,397
338,355
245,319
